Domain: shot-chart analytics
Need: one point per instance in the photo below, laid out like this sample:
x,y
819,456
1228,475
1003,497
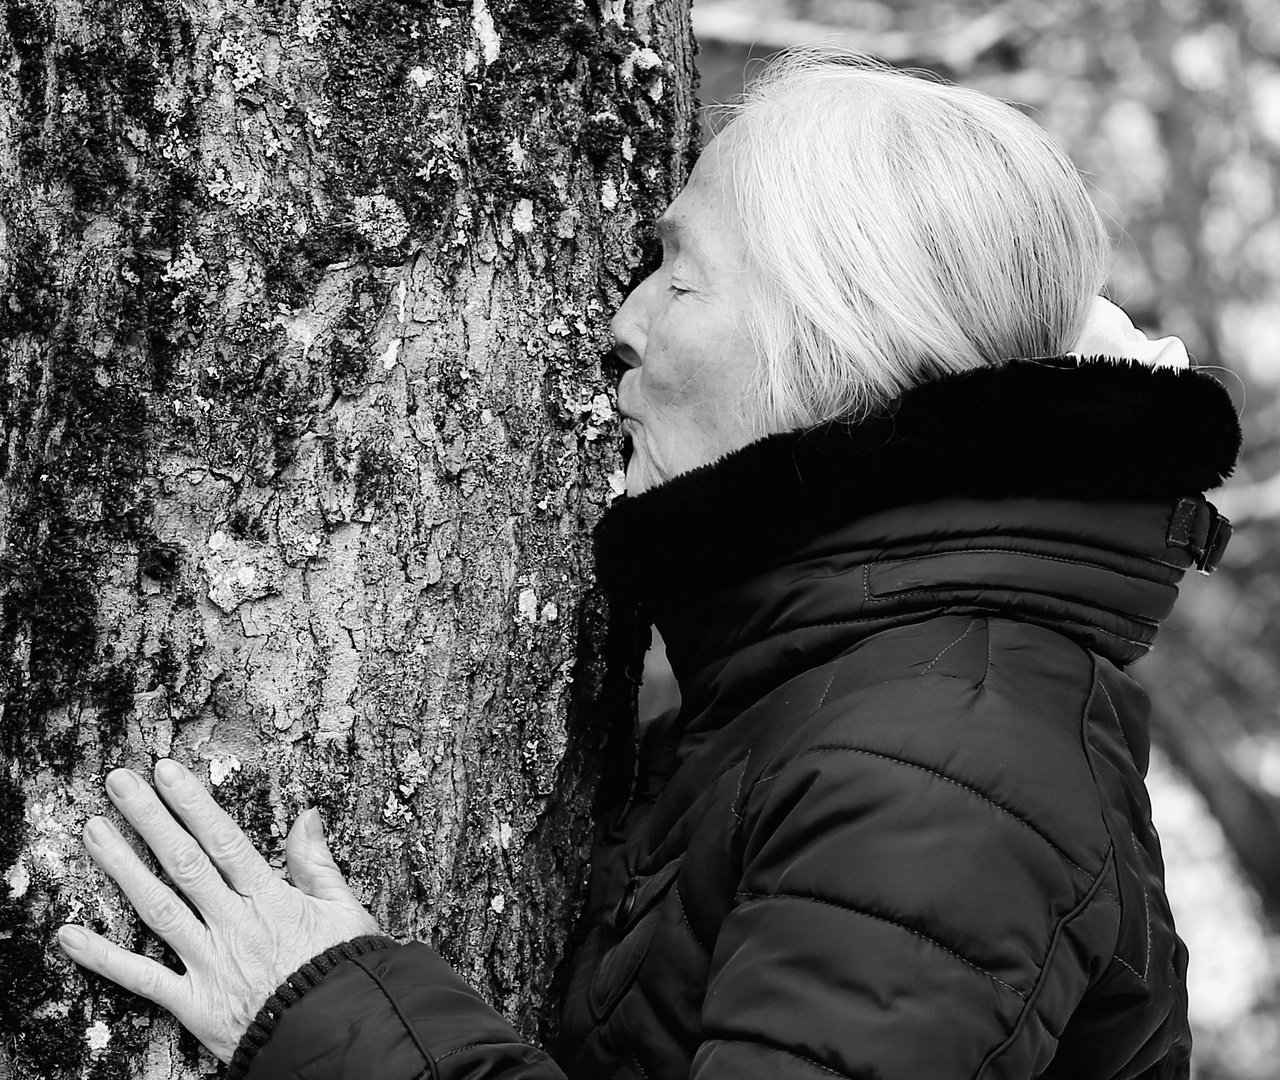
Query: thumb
x,y
311,867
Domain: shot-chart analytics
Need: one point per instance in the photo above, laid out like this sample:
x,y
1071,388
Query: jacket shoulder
x,y
895,846
983,712
973,784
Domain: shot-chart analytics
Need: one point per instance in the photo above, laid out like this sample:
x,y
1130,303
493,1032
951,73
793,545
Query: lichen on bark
x,y
302,306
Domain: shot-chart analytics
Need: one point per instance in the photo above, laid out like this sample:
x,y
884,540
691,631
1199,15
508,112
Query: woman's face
x,y
681,332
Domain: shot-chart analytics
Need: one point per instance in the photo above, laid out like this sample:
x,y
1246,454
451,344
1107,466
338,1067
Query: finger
x,y
311,866
157,904
175,848
140,974
230,849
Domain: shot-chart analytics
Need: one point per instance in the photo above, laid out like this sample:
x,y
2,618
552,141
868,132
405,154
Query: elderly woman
x,y
902,545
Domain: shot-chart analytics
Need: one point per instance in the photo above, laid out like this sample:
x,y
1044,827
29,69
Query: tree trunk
x,y
302,305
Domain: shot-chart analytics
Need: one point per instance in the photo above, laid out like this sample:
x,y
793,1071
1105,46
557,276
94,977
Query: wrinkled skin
x,y
684,400
256,930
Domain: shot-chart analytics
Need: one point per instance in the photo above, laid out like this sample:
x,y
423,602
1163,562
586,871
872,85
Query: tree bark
x,y
302,306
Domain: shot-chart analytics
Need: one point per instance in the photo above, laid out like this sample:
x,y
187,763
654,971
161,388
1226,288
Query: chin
x,y
641,475
636,480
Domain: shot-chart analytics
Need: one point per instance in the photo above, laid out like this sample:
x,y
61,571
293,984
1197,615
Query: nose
x,y
629,326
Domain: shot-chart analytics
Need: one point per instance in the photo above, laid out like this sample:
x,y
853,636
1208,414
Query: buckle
x,y
1196,526
1215,541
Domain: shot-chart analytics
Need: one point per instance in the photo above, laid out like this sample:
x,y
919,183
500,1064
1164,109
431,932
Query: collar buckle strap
x,y
1196,526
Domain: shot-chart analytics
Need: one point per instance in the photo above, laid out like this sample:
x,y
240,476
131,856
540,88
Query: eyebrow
x,y
677,233
674,231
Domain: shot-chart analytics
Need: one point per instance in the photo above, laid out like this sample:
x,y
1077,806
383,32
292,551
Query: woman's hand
x,y
257,929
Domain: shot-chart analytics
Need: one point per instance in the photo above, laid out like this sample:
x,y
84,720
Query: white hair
x,y
899,228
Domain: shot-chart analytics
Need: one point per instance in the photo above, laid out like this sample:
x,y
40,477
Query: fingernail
x,y
98,830
168,771
122,783
314,830
72,937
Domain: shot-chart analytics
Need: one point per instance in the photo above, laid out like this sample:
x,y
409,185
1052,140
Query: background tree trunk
x,y
303,304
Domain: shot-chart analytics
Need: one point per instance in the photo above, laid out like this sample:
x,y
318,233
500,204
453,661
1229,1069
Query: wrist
x,y
291,991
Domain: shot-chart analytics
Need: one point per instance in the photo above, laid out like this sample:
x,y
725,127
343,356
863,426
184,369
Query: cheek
x,y
682,362
707,378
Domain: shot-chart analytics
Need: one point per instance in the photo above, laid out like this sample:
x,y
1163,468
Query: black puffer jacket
x,y
898,828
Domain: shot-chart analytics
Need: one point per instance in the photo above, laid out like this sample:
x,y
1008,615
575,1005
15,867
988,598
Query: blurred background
x,y
1171,108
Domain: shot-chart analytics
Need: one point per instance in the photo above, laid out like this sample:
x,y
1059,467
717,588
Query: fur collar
x,y
1095,430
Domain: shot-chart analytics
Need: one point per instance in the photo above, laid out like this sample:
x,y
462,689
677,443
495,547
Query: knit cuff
x,y
291,991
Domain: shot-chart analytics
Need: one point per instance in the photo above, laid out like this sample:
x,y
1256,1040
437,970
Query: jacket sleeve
x,y
372,1008
895,922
